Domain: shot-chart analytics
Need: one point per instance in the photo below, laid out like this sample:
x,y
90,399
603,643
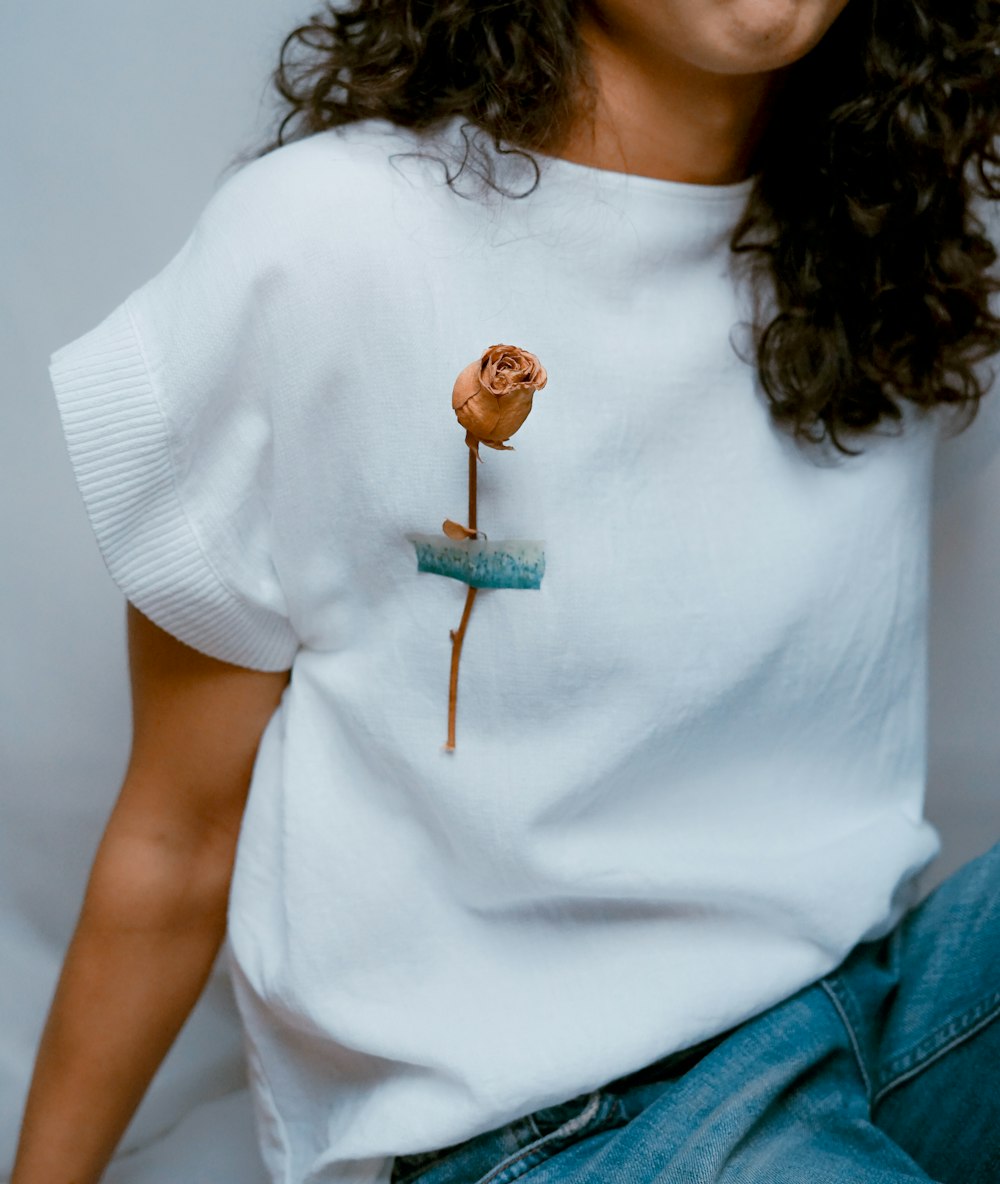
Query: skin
x,y
686,86
154,914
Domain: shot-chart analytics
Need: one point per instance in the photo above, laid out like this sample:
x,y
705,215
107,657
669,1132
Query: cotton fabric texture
x,y
690,766
883,1072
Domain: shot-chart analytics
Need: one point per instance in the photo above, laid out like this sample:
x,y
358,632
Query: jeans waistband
x,y
674,1064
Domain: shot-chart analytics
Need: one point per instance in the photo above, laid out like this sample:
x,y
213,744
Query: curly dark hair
x,y
864,212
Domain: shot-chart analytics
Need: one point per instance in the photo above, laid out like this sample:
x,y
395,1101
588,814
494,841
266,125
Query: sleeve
x,y
166,409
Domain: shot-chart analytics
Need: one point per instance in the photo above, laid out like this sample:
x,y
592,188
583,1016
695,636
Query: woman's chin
x,y
760,36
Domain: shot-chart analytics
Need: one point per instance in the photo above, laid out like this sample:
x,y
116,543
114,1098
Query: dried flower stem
x,y
458,635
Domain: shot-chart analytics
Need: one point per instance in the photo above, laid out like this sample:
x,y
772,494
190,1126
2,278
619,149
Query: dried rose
x,y
492,396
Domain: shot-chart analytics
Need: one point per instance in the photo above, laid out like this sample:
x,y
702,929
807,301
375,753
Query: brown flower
x,y
492,395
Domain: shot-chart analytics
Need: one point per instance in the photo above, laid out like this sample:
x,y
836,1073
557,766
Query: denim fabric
x,y
886,1070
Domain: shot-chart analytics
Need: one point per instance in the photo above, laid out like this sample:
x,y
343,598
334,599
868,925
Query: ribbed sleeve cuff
x,y
118,445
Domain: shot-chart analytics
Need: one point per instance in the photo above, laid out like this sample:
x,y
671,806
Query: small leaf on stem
x,y
455,530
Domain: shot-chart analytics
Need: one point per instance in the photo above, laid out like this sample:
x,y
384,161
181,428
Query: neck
x,y
659,116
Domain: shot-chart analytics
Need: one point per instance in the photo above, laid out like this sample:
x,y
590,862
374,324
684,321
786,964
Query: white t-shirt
x,y
690,766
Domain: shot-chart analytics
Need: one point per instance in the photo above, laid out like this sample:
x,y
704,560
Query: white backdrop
x,y
120,118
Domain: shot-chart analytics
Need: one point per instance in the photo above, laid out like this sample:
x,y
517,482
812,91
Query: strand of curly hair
x,y
865,214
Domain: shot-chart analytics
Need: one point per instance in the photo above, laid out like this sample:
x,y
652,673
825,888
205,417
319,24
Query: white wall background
x,y
119,119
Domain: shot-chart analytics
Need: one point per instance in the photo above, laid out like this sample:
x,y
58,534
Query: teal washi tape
x,y
507,563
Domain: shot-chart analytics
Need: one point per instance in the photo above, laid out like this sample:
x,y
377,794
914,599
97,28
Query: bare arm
x,y
154,913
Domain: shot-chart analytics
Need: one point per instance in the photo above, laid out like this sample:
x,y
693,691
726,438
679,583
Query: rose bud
x,y
492,396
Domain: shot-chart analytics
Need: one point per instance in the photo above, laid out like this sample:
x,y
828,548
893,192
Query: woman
x,y
652,917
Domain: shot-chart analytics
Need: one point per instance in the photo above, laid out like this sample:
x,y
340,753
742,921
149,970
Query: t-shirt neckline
x,y
558,172
558,167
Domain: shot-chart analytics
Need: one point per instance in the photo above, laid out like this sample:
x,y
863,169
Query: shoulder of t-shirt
x,y
335,188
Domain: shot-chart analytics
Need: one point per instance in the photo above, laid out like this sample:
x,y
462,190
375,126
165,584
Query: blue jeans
x,y
886,1070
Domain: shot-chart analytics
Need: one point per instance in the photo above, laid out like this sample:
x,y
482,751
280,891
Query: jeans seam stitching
x,y
830,988
990,1013
935,1040
569,1127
